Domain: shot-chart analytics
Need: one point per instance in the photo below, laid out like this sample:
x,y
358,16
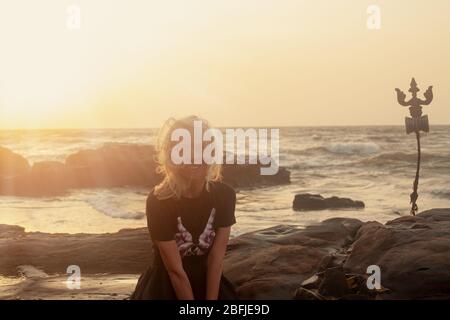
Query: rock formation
x,y
323,261
112,165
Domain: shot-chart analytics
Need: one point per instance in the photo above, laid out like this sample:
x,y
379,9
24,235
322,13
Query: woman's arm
x,y
178,277
215,262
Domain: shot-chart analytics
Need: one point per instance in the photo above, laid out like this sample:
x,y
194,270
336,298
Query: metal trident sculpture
x,y
416,123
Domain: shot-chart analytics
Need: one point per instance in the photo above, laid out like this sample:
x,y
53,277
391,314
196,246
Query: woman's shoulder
x,y
160,220
225,201
154,204
224,190
151,197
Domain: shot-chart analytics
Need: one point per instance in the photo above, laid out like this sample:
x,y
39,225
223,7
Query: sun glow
x,y
136,65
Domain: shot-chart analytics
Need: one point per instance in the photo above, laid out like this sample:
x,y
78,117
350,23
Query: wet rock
x,y
96,287
307,201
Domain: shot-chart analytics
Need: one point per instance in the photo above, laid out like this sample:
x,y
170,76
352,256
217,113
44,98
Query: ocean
x,y
375,164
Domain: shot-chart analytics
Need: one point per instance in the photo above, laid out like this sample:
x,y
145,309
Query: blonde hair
x,y
172,184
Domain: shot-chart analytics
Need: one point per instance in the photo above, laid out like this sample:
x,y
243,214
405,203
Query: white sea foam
x,y
109,208
442,192
30,271
362,148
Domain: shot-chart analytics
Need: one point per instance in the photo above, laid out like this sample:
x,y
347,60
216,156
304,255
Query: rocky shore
x,y
413,254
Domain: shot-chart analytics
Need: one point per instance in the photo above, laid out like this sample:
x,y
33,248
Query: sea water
x,y
375,164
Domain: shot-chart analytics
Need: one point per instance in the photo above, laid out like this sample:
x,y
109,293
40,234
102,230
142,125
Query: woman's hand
x,y
215,262
174,266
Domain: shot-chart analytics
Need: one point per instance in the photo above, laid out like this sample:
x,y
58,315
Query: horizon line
x,y
221,127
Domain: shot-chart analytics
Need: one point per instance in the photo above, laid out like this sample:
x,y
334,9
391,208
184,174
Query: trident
x,y
416,123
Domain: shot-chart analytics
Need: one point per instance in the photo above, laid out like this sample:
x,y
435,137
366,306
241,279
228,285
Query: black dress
x,y
191,222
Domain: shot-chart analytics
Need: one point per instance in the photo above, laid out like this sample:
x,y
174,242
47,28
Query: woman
x,y
189,216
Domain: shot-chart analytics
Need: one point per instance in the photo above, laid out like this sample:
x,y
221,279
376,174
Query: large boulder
x,y
277,260
307,202
413,253
11,232
42,179
11,163
112,165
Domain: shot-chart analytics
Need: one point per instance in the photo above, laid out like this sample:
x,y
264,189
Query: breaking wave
x,y
110,209
340,148
351,148
442,193
402,157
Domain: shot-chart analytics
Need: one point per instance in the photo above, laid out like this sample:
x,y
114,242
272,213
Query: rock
x,y
11,163
277,260
307,201
249,175
50,176
96,287
414,262
44,178
112,165
272,263
334,283
311,282
11,232
126,251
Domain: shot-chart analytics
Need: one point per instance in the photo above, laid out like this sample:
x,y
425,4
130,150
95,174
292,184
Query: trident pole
x,y
414,195
416,123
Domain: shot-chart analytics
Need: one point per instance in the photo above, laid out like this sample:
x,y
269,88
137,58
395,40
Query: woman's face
x,y
191,171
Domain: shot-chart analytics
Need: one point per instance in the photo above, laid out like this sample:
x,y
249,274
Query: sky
x,y
134,63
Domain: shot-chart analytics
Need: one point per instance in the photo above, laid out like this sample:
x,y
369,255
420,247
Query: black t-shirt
x,y
192,222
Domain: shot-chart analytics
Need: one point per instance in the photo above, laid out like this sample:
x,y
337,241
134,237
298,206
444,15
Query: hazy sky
x,y
235,62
